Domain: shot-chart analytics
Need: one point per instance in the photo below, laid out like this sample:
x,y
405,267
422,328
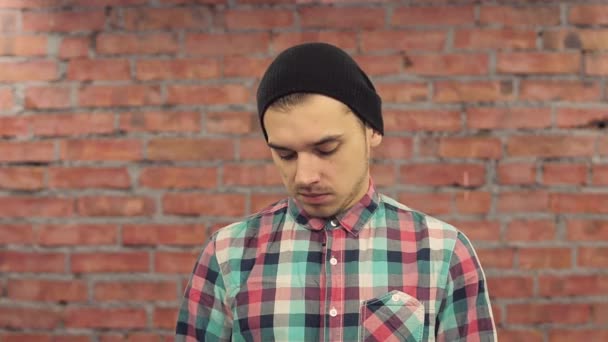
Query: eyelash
x,y
322,153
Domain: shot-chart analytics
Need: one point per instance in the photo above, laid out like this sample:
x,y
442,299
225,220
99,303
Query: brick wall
x,y
127,135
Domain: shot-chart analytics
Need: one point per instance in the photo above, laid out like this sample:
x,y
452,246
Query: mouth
x,y
314,198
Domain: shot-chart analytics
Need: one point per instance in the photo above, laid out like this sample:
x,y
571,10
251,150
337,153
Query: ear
x,y
375,138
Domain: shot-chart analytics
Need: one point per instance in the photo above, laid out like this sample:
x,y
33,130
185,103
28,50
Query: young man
x,y
336,260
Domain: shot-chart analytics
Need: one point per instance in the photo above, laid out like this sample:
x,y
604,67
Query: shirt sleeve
x,y
203,315
465,313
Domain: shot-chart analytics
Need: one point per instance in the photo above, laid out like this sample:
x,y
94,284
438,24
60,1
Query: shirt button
x,y
333,223
396,297
333,261
333,312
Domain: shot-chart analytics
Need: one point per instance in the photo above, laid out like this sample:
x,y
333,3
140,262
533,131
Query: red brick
x,y
283,40
164,234
557,313
74,21
193,204
260,201
16,234
473,202
588,14
43,337
36,262
516,173
6,101
251,175
596,257
561,335
538,63
141,19
498,39
478,230
585,39
470,147
508,118
596,65
545,258
33,70
115,206
600,174
230,122
510,287
13,126
111,262
587,230
523,201
443,174
138,336
496,258
87,177
572,285
383,175
561,174
120,95
179,177
85,69
136,44
600,313
342,18
190,149
561,90
422,120
222,44
537,335
47,290
588,203
74,47
473,91
403,40
580,117
208,94
531,230
32,318
23,45
161,69
256,149
47,97
148,291
165,318
550,146
101,150
28,207
22,178
519,15
264,19
435,15
403,92
10,20
175,262
160,122
77,235
244,66
380,65
603,146
72,124
38,151
447,64
110,318
430,203
393,148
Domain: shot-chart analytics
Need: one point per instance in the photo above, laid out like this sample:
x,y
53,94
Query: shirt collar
x,y
352,219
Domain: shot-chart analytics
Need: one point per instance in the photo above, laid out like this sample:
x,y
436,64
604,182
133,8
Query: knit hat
x,y
324,69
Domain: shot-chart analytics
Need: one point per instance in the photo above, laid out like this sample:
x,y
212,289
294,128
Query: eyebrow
x,y
324,140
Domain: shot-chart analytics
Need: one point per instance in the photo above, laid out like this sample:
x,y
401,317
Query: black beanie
x,y
323,69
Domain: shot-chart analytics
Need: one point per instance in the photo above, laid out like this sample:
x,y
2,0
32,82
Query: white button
x,y
333,223
333,261
396,297
333,312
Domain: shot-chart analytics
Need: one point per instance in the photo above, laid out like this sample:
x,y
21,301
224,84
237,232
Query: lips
x,y
315,198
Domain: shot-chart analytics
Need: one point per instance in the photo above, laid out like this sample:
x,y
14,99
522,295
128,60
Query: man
x,y
336,260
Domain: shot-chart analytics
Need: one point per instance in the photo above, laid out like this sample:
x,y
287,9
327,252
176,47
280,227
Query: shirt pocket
x,y
395,316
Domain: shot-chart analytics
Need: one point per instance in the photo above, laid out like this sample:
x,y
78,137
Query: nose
x,y
307,170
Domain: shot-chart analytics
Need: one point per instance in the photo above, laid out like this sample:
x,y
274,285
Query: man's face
x,y
322,153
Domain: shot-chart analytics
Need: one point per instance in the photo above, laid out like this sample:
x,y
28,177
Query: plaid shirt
x,y
378,272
